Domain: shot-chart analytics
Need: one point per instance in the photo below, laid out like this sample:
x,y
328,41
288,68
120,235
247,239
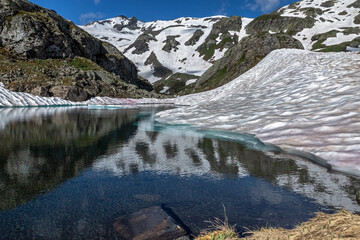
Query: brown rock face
x,y
34,32
72,93
148,224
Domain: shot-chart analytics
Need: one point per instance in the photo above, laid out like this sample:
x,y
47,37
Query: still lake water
x,y
67,173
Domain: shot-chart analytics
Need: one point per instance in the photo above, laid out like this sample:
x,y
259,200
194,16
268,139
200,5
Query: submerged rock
x,y
148,223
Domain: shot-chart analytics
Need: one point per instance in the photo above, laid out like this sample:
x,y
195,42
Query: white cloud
x,y
96,2
90,17
222,9
264,6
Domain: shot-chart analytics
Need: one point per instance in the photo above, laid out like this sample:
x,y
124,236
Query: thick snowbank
x,y
294,99
19,99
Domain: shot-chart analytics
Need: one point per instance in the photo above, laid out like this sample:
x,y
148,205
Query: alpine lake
x,y
69,172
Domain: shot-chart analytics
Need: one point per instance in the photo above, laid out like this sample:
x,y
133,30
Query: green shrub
x,y
207,52
84,64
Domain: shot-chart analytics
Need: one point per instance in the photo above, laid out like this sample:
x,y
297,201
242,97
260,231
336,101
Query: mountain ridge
x,y
317,25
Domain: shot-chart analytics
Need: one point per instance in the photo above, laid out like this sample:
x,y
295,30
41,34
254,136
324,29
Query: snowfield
x,y
295,99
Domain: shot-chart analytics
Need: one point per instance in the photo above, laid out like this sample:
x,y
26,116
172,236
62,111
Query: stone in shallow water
x,y
146,224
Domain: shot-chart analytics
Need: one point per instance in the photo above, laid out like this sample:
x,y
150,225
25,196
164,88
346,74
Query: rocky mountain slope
x,y
318,25
180,49
175,54
47,55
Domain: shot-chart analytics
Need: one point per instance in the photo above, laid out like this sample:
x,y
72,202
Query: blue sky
x,y
85,11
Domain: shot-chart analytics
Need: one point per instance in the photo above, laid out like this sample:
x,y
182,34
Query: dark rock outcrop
x,y
276,23
28,31
220,30
175,84
240,58
75,79
132,24
141,44
171,44
195,38
327,4
355,4
147,224
159,69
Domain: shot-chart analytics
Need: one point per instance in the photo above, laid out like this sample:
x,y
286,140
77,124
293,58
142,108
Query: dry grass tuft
x,y
340,225
219,230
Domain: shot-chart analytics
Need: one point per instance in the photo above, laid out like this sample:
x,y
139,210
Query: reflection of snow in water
x,y
173,150
8,115
178,150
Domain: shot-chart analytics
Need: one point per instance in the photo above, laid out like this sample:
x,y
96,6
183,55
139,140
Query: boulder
x,y
171,44
195,38
71,93
147,224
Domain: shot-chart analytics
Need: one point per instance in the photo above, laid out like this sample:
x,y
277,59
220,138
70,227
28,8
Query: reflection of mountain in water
x,y
185,151
43,150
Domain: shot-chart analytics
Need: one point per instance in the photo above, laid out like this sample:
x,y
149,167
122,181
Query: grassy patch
x,y
266,17
176,83
242,59
207,52
214,81
37,15
334,48
223,42
83,64
319,44
213,36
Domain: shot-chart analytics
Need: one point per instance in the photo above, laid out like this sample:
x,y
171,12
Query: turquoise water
x,y
67,173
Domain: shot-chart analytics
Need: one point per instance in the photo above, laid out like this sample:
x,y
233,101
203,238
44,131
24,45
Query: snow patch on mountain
x,y
123,33
328,15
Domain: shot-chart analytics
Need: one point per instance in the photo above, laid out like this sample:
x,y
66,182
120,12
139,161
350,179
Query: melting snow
x,y
294,99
